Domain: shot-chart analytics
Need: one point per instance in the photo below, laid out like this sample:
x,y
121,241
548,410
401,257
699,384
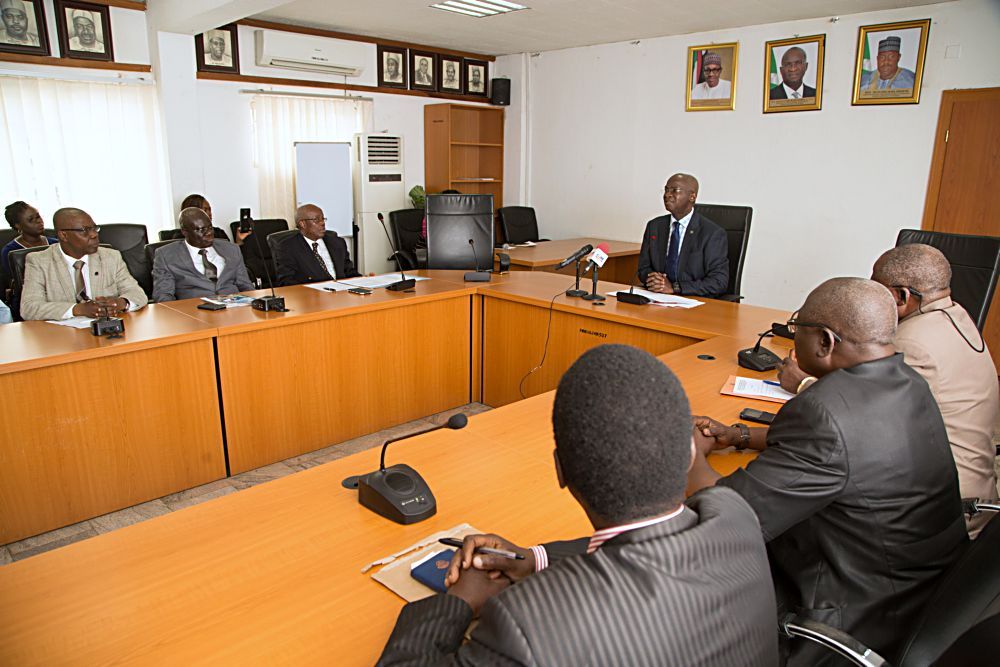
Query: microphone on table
x,y
476,276
273,303
630,296
758,358
404,283
574,257
398,492
596,261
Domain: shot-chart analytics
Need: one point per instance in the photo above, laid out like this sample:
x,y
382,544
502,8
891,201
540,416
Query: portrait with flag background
x,y
890,62
793,74
711,77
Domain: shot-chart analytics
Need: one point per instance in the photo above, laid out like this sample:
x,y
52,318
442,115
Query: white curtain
x,y
280,121
95,146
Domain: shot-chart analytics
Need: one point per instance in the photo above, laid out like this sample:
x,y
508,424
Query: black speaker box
x,y
500,92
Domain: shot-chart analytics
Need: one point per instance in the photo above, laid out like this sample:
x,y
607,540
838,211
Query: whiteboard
x,y
323,178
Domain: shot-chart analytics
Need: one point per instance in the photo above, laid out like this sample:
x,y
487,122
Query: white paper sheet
x,y
667,300
78,322
753,387
371,282
230,300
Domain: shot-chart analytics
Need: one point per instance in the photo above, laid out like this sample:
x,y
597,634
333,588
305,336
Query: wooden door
x,y
963,192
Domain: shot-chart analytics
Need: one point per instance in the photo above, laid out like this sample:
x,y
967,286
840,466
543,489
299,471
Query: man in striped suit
x,y
661,582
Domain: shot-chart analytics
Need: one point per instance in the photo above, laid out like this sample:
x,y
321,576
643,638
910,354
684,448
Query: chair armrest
x,y
833,639
403,259
421,258
540,240
735,298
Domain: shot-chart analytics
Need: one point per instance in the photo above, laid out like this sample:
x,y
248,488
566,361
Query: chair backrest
x,y
174,234
405,226
966,594
975,262
518,223
274,239
451,221
265,228
16,260
736,221
130,240
151,248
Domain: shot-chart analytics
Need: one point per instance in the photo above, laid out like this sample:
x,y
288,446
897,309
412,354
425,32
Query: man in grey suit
x,y
199,265
76,276
660,582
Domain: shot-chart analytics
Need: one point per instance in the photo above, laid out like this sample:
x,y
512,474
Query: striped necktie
x,y
211,270
81,286
319,260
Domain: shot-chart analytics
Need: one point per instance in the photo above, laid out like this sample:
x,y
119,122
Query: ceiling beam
x,y
193,17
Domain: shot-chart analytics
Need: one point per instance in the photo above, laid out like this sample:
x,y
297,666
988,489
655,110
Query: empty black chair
x,y
518,224
130,240
174,234
975,261
451,221
276,238
17,259
735,220
405,226
258,258
151,248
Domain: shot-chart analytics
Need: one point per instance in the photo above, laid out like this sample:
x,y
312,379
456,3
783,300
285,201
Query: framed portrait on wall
x,y
793,74
22,27
218,50
890,62
84,30
423,70
711,77
475,78
450,78
391,67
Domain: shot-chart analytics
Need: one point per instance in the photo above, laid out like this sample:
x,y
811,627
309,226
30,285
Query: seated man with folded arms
x,y
854,486
77,276
314,254
200,265
661,581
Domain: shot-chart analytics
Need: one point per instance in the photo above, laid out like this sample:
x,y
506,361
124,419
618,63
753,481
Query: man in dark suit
x,y
855,486
200,265
314,254
793,68
660,582
684,252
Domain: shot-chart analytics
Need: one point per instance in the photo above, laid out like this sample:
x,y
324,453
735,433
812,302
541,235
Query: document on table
x,y
78,322
230,300
752,388
666,300
396,574
371,282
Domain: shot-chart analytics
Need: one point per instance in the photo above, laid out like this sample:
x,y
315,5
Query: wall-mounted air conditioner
x,y
287,50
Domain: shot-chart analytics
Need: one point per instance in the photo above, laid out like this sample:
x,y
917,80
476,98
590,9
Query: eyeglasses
x,y
85,231
794,324
674,191
203,231
711,70
323,220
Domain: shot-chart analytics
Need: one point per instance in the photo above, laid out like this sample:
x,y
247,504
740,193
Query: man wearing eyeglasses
x,y
314,254
200,265
855,486
77,277
713,86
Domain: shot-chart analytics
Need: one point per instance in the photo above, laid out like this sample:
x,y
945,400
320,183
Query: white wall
x,y
605,126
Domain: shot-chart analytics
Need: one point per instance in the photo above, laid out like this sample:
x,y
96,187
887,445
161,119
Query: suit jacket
x,y
295,263
704,259
857,496
49,291
964,384
694,590
778,92
175,275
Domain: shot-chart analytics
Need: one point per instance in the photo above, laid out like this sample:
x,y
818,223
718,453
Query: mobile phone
x,y
211,306
364,291
245,220
756,416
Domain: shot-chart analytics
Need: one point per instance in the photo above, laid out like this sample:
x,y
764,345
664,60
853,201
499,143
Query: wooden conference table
x,y
620,267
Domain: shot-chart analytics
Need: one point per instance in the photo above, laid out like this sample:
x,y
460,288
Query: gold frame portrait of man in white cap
x,y
890,63
17,23
711,77
87,31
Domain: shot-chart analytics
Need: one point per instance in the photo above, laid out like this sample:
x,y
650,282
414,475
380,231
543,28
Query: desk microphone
x,y
403,283
476,276
574,257
630,296
597,259
758,358
398,492
273,303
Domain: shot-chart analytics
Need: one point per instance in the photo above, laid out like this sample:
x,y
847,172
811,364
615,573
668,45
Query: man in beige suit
x,y
77,276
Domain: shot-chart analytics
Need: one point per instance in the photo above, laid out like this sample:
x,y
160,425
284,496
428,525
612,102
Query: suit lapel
x,y
333,256
62,273
97,277
692,230
660,244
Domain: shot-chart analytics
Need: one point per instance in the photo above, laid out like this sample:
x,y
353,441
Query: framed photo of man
x,y
423,69
22,27
84,30
218,50
391,67
711,77
793,78
890,62
475,78
450,78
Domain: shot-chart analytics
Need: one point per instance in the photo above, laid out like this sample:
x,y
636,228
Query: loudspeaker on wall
x,y
500,92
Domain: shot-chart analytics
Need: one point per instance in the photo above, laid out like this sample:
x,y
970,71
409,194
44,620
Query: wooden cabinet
x,y
463,150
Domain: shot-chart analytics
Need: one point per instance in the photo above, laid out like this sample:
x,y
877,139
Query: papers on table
x,y
78,322
371,282
666,300
230,300
750,387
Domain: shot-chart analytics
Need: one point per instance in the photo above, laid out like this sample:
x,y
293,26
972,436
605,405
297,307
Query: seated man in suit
x,y
684,252
76,276
199,265
313,255
645,588
855,486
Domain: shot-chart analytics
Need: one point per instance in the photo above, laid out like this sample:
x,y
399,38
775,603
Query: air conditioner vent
x,y
384,149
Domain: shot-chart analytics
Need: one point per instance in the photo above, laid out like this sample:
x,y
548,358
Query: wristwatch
x,y
744,436
677,288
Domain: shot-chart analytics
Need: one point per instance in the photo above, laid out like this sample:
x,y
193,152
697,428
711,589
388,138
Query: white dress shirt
x,y
791,93
702,91
70,261
213,257
324,254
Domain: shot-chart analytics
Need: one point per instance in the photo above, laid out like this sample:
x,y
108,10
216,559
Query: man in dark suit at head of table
x,y
314,254
660,582
684,252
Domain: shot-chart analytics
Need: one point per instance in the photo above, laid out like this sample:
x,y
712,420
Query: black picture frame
x,y
40,34
443,83
67,14
385,78
205,55
416,80
469,67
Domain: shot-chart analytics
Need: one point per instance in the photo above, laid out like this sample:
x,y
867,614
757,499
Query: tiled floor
x,y
175,501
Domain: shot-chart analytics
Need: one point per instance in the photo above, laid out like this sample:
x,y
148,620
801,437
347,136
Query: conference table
x,y
620,267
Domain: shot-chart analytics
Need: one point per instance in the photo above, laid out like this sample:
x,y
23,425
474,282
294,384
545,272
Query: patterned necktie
x,y
319,259
673,252
81,286
211,270
796,94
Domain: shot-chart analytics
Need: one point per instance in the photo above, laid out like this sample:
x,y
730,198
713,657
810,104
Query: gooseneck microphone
x,y
403,283
398,492
476,276
576,256
758,358
273,303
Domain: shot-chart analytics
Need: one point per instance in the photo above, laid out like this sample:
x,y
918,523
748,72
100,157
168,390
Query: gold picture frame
x,y
785,59
700,94
898,79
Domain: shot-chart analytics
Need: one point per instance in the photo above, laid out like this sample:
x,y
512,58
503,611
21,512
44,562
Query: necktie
x,y
673,254
81,287
211,271
319,259
796,94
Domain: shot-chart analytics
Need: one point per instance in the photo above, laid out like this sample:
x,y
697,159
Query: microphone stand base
x,y
594,297
398,493
576,292
400,285
760,360
269,303
633,298
478,276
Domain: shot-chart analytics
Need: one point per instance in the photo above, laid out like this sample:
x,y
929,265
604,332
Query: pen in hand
x,y
452,542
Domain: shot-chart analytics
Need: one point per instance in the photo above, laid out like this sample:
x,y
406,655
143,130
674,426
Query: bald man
x,y
314,254
76,276
854,486
793,67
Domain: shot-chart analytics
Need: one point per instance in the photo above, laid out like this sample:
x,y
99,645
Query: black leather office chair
x,y
405,225
518,224
258,260
274,240
151,248
451,221
736,221
16,260
975,263
130,240
174,234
